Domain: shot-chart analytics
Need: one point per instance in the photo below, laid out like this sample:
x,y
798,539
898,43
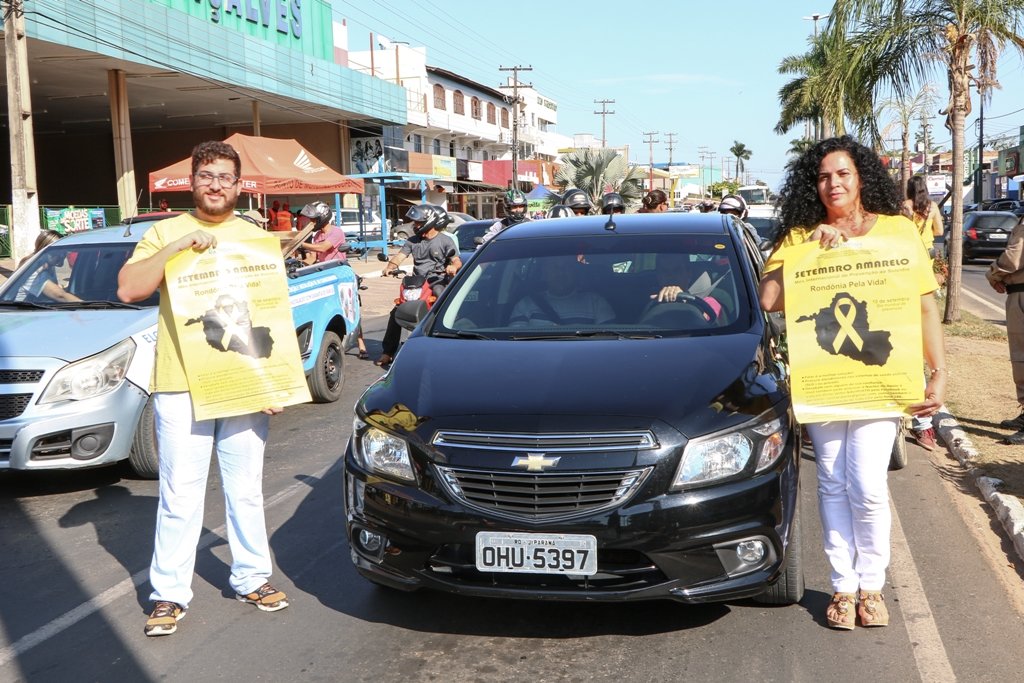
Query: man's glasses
x,y
207,178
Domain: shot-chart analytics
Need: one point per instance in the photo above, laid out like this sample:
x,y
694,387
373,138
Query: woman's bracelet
x,y
935,371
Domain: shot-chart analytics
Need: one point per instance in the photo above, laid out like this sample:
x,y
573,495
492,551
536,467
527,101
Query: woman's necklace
x,y
856,224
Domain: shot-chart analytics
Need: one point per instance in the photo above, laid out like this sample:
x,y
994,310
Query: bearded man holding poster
x,y
856,285
180,257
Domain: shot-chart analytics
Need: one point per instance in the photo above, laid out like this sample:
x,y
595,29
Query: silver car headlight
x,y
725,455
380,452
92,376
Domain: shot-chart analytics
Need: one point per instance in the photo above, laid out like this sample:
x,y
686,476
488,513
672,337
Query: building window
x,y
451,148
439,97
459,102
504,117
475,108
490,113
417,143
437,146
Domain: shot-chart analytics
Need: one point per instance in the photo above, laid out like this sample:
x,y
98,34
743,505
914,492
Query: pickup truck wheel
x,y
327,379
143,454
788,589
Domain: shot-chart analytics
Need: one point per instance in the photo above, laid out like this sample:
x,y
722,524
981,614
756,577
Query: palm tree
x,y
597,172
798,146
741,153
900,42
907,109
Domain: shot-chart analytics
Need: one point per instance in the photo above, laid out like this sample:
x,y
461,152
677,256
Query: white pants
x,y
853,498
185,447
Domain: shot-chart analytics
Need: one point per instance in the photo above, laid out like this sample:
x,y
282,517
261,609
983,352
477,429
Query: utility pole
x,y
711,166
925,127
515,115
702,153
981,139
670,146
650,144
603,114
24,197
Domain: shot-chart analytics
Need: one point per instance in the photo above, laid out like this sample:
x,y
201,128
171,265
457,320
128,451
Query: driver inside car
x,y
561,302
677,275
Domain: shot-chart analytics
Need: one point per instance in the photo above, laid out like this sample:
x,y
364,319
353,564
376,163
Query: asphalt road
x,y
76,548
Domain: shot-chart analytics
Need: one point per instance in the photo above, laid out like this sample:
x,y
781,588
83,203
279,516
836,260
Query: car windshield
x,y
994,222
599,286
68,274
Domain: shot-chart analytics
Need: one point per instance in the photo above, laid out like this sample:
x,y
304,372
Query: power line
x,y
603,114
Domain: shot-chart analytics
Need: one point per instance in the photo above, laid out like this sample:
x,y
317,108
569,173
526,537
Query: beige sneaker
x,y
266,598
164,619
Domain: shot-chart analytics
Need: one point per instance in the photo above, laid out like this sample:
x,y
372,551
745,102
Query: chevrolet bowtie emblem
x,y
535,462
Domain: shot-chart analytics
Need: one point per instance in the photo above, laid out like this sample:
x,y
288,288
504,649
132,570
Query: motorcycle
x,y
415,297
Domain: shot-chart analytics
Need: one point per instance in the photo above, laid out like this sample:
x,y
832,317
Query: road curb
x,y
1008,509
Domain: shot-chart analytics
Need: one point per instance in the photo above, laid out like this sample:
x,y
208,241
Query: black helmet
x,y
612,203
319,213
577,199
429,216
515,206
735,204
559,211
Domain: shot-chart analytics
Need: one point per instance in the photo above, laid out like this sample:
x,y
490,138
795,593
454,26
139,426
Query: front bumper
x,y
656,546
73,434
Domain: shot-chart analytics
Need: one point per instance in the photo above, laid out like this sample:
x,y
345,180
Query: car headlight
x,y
380,452
92,376
726,455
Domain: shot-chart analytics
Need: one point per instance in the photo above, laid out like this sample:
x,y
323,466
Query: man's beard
x,y
203,205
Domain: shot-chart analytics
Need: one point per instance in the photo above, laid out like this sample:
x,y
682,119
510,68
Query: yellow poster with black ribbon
x,y
234,328
853,328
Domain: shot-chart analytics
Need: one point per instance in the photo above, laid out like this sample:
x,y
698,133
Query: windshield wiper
x,y
28,304
461,334
96,303
586,334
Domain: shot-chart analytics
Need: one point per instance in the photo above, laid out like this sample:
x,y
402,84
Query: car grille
x,y
13,405
544,496
20,376
599,441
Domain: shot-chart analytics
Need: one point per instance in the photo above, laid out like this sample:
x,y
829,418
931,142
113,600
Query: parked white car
x,y
348,220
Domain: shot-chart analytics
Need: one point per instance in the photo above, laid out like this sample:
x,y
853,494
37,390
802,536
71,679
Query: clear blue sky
x,y
705,71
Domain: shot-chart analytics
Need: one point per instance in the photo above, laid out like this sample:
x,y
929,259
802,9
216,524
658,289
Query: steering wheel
x,y
683,298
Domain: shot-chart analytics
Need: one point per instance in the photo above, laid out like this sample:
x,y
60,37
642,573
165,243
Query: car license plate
x,y
997,236
536,553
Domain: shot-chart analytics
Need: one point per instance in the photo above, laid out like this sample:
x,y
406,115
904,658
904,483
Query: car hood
x,y
697,385
68,334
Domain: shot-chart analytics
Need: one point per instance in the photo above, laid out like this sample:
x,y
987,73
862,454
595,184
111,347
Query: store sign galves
x,y
285,15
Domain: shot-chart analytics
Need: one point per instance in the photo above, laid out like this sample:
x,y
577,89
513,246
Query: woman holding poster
x,y
842,268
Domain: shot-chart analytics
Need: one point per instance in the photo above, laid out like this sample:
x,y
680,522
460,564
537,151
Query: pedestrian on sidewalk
x,y
927,217
1006,275
837,190
185,444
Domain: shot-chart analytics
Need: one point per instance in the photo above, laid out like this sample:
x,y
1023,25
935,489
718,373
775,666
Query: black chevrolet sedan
x,y
593,410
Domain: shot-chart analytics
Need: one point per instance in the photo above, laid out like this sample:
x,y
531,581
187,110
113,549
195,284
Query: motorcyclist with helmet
x,y
735,205
514,202
435,256
559,211
326,241
578,202
611,203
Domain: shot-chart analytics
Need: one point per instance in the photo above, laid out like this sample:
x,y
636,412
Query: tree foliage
x,y
598,171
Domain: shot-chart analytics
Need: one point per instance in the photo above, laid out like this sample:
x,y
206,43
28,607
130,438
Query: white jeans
x,y
853,498
185,447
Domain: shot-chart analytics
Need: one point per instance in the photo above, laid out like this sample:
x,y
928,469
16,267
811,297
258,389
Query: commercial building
x,y
122,87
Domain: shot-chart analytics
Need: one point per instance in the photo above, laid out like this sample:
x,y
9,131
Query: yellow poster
x,y
853,326
234,328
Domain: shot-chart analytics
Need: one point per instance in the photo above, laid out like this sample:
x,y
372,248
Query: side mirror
x,y
381,257
409,314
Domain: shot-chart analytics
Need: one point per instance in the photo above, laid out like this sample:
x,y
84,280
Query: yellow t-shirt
x,y
884,226
169,370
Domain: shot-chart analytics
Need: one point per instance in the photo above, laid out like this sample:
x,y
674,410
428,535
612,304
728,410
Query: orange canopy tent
x,y
269,166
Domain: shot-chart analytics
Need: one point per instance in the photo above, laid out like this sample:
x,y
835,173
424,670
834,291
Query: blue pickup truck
x,y
75,370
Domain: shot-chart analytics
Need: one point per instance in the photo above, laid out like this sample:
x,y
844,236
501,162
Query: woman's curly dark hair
x,y
799,204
